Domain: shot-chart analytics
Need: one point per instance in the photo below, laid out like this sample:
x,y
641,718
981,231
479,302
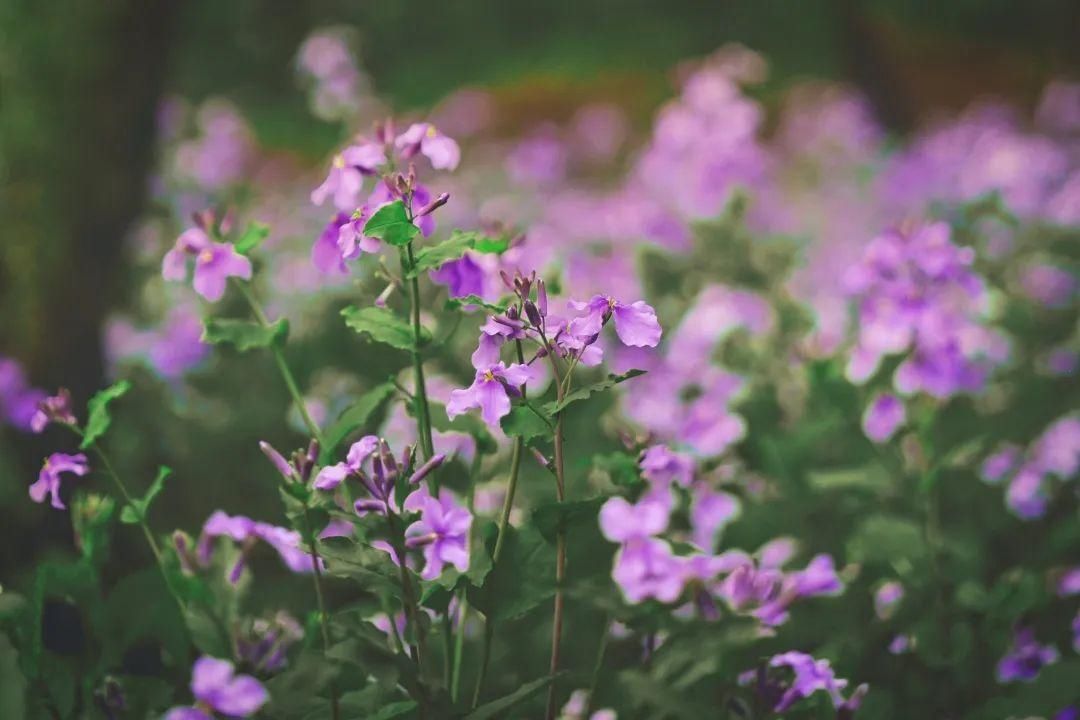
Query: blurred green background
x,y
80,83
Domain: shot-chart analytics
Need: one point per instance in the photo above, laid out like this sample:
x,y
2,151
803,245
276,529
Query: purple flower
x,y
997,466
646,568
1057,450
899,645
662,466
371,463
621,522
246,531
887,597
490,391
442,531
1026,495
217,688
746,587
424,138
333,475
56,408
1069,583
711,511
1026,658
776,552
462,277
18,401
215,263
266,643
1048,284
810,676
346,177
48,482
325,253
635,324
818,578
882,417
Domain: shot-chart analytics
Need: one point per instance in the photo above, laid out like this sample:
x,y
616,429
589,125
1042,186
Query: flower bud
x,y
541,297
424,470
533,314
278,460
433,205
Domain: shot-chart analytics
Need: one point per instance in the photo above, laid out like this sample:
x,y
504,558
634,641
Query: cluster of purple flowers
x,y
917,295
338,90
246,533
1054,454
218,689
647,567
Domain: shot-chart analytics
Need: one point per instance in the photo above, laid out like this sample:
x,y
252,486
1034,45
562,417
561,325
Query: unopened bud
x,y
433,205
424,470
541,297
533,314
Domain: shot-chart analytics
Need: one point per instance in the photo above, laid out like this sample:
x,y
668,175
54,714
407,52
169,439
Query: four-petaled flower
x,y
346,177
246,531
490,391
424,138
635,324
442,531
217,688
56,408
48,482
215,263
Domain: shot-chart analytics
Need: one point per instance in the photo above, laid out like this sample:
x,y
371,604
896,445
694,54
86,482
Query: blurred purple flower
x,y
883,416
48,482
246,531
646,568
1025,659
662,466
345,179
424,138
621,521
217,688
215,263
635,324
18,400
53,409
886,599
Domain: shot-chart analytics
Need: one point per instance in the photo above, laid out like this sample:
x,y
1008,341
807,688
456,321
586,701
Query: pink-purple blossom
x,y
491,390
215,263
424,138
345,179
442,531
218,689
1026,658
245,531
51,474
883,416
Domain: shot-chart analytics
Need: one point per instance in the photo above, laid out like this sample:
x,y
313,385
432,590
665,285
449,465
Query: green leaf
x,y
244,335
434,256
497,707
390,223
373,568
98,419
252,237
492,245
549,517
527,421
355,417
394,710
523,579
473,300
382,326
554,408
872,477
136,511
886,539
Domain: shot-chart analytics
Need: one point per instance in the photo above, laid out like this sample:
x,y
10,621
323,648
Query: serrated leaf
x,y
244,335
253,236
355,417
390,223
381,325
434,256
373,568
98,418
527,421
474,300
497,707
138,508
553,408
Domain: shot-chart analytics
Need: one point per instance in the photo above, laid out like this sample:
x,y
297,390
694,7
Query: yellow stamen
x,y
339,161
205,256
489,376
431,131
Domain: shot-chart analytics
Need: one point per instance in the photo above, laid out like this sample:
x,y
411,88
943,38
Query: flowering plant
x,y
762,478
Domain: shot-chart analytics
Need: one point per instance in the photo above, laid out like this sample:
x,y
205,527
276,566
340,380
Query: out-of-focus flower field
x,y
709,400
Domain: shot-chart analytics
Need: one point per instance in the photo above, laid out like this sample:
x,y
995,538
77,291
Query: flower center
x,y
489,376
339,161
431,131
205,256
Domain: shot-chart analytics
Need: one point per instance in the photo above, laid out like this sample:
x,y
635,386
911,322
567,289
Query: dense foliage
x,y
724,423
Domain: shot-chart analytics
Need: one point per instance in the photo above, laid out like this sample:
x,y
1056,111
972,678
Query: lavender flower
x,y
646,568
622,522
711,511
265,644
661,465
370,462
1026,658
246,531
1069,582
882,417
56,408
18,401
899,645
346,177
217,688
491,390
425,139
810,676
48,482
442,531
215,263
635,324
996,467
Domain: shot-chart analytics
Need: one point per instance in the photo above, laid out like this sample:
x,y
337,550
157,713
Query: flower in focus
x,y
345,180
425,139
215,263
217,688
491,390
48,482
635,324
1026,658
442,531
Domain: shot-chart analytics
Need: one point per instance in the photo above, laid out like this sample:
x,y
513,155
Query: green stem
x,y
597,667
420,403
335,712
283,367
459,646
412,612
560,542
